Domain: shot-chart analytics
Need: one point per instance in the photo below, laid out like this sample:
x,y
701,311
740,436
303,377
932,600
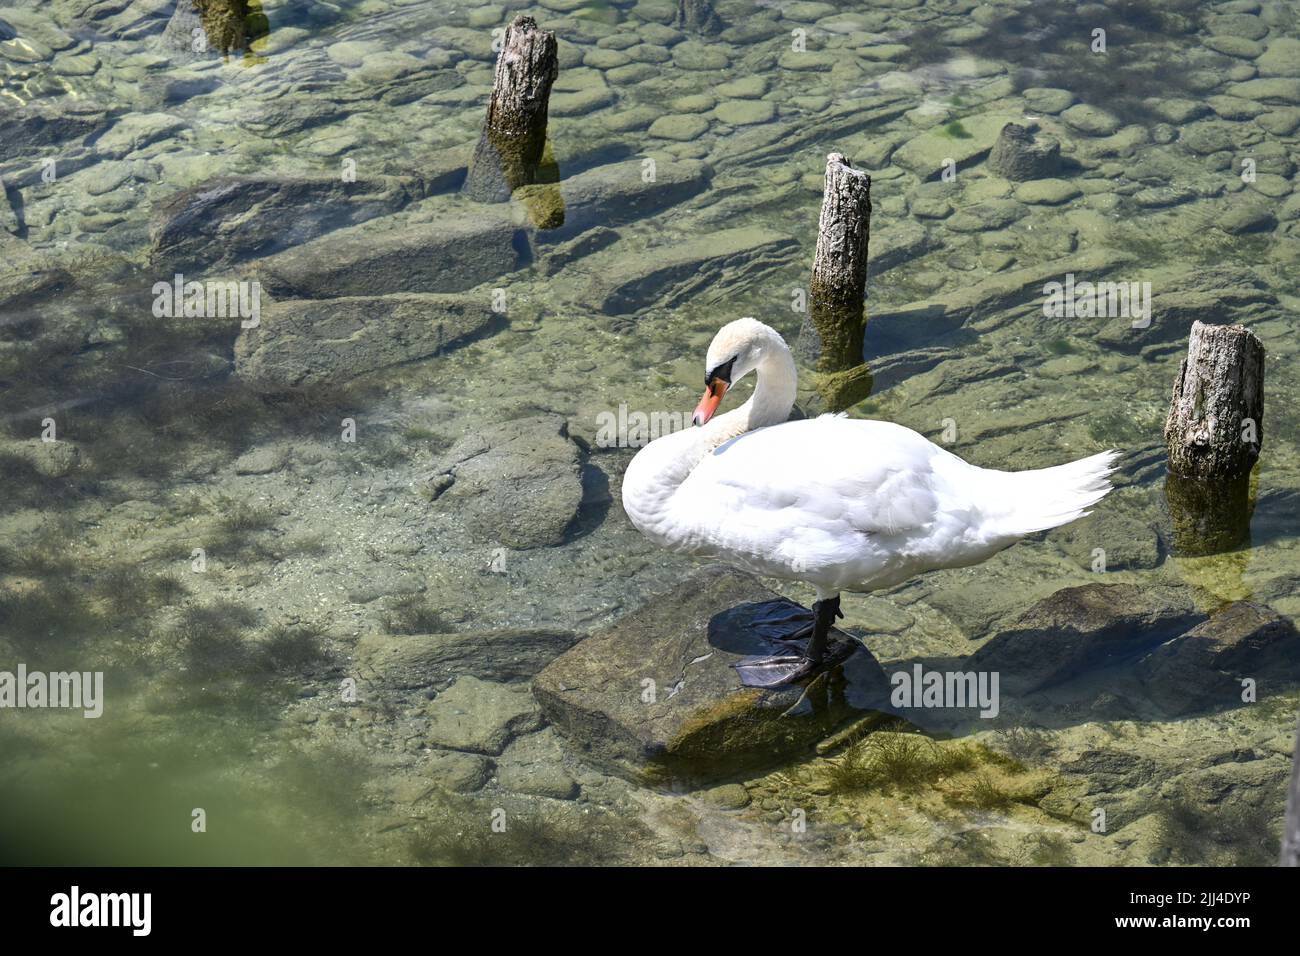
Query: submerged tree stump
x,y
832,335
204,28
1214,432
513,141
1216,416
696,16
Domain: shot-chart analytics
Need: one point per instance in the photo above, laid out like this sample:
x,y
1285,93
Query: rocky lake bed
x,y
355,565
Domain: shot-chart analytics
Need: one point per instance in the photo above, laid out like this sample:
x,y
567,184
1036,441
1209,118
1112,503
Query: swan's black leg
x,y
802,660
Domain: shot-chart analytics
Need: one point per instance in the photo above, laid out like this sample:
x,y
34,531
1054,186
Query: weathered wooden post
x,y
226,25
1214,432
696,16
511,146
830,342
1291,828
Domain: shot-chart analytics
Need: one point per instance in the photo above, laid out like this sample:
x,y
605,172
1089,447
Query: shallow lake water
x,y
249,532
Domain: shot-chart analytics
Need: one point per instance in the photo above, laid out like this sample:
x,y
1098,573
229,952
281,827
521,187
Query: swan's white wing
x,y
830,492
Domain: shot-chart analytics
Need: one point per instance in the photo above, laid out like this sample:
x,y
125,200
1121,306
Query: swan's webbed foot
x,y
808,643
775,671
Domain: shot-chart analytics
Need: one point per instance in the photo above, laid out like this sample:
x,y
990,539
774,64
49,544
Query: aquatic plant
x,y
983,793
1233,833
412,614
1024,744
210,639
292,647
459,832
48,619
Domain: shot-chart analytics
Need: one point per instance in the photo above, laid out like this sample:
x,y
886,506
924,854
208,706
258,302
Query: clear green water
x,y
223,687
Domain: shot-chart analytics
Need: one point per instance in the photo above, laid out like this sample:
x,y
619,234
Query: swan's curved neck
x,y
653,477
769,405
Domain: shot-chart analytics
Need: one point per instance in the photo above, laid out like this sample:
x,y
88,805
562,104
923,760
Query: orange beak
x,y
710,402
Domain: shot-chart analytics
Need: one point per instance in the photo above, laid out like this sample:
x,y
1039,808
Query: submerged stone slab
x,y
309,342
231,218
625,192
407,661
963,142
515,483
1080,629
654,697
670,274
450,248
1204,667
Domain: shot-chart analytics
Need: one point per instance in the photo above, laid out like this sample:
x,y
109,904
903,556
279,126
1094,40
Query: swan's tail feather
x,y
1029,501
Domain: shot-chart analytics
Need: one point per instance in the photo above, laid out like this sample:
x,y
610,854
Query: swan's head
x,y
735,351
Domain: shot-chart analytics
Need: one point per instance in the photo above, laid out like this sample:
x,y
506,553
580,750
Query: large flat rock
x,y
963,141
232,218
624,192
309,342
1204,668
654,697
515,483
406,661
1082,629
449,246
670,274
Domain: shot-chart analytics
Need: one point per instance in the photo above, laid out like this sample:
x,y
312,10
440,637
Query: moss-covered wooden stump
x,y
696,16
654,697
1214,432
204,28
512,145
830,342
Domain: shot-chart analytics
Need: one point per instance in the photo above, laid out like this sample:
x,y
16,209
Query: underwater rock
x,y
51,459
674,273
1082,628
407,661
481,716
263,460
1215,295
225,220
1246,216
555,258
1091,120
136,131
306,342
516,484
1048,99
1046,192
459,249
1204,667
38,124
1018,156
620,193
963,141
654,698
456,771
534,764
986,303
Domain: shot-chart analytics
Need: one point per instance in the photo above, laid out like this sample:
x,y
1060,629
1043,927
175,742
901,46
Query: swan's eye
x,y
722,371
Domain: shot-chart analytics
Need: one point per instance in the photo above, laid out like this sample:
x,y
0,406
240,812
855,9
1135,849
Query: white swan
x,y
843,504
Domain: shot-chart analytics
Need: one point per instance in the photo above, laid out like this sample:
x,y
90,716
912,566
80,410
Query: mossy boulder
x,y
654,697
